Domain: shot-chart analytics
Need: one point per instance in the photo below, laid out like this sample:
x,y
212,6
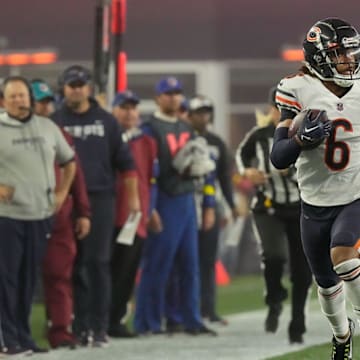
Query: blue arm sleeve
x,y
285,151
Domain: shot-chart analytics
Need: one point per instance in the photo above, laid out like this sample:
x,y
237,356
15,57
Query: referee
x,y
276,215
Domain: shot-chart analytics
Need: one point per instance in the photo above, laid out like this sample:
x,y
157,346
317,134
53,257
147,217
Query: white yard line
x,y
243,339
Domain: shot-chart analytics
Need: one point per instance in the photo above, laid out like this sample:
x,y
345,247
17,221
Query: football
x,y
315,115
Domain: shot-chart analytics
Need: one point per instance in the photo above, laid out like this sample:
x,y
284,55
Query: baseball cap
x,y
184,106
200,102
123,97
169,84
75,73
41,90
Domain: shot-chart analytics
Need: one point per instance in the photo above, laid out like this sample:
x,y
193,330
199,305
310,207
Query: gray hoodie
x,y
28,150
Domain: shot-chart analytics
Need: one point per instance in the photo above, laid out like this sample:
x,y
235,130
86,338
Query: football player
x,y
328,175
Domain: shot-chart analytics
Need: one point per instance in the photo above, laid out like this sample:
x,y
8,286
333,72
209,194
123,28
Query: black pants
x,y
208,243
124,264
22,247
280,239
92,282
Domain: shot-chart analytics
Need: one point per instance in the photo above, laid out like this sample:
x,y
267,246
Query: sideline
x,y
243,339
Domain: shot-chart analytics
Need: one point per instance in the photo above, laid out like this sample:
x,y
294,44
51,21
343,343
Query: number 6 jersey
x,y
330,174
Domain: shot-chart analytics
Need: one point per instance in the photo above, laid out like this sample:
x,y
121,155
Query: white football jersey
x,y
328,175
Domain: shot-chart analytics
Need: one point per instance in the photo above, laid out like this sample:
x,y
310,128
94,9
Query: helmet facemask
x,y
326,50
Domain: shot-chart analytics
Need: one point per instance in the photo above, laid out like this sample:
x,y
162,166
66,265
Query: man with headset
x,y
28,199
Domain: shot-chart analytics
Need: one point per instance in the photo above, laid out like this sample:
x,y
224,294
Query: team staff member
x,y
43,98
175,247
71,222
99,145
126,258
200,116
29,146
276,213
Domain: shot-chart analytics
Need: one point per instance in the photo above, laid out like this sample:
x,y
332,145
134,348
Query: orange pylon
x,y
221,275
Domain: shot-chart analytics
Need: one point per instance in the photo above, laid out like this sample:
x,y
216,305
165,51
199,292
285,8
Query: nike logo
x,y
307,130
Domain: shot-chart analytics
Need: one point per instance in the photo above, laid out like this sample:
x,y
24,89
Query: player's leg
x,y
345,236
316,237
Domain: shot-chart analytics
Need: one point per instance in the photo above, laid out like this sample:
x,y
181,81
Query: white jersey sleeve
x,y
287,94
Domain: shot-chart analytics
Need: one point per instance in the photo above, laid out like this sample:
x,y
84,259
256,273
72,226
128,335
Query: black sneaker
x,y
296,330
120,331
296,338
84,338
218,319
343,351
174,328
100,340
272,319
16,350
202,330
67,344
39,350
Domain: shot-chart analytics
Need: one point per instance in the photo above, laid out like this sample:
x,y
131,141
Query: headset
x,y
26,82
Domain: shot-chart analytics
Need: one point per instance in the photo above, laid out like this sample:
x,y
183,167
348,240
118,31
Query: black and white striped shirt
x,y
254,151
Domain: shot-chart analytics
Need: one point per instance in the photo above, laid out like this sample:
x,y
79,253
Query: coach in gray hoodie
x,y
29,146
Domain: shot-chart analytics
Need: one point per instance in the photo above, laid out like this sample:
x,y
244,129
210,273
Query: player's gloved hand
x,y
314,129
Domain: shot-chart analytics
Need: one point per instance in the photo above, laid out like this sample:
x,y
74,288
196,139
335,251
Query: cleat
x,y
343,351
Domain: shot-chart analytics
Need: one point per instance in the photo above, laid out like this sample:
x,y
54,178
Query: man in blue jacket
x,y
101,150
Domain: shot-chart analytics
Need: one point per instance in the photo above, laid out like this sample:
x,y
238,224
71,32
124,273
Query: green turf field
x,y
243,294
